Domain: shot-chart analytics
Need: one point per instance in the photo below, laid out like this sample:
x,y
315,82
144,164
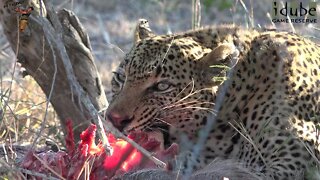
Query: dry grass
x,y
23,112
22,104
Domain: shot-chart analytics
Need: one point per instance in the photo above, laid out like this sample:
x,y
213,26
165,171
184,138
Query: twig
x,y
49,168
43,123
14,69
5,167
5,153
290,23
158,162
205,131
269,17
251,14
196,14
33,173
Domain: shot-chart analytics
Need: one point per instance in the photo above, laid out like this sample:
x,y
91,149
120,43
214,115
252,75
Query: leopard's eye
x,y
119,77
162,86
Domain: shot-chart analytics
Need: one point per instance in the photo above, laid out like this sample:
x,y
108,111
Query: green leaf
x,y
217,78
221,66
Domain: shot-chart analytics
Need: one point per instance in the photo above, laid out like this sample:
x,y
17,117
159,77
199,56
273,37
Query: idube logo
x,y
294,12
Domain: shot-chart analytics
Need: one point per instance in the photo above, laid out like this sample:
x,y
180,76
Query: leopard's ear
x,y
218,62
142,31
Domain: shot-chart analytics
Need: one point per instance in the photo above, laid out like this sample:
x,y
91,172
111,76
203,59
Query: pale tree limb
x,y
76,74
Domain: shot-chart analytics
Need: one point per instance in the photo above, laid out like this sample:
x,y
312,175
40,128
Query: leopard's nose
x,y
118,120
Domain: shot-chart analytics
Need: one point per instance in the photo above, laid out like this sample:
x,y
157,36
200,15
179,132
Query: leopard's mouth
x,y
163,131
159,131
157,135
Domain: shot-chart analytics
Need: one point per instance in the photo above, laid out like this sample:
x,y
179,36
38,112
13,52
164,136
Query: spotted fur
x,y
265,113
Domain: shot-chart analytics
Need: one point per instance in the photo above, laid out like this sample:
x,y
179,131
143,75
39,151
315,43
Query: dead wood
x,y
42,55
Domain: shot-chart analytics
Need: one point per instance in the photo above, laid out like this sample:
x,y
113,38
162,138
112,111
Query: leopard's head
x,y
166,83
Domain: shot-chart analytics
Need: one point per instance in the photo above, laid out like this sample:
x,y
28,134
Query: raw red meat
x,y
71,164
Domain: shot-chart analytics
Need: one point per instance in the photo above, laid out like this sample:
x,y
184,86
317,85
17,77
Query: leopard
x,y
246,94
